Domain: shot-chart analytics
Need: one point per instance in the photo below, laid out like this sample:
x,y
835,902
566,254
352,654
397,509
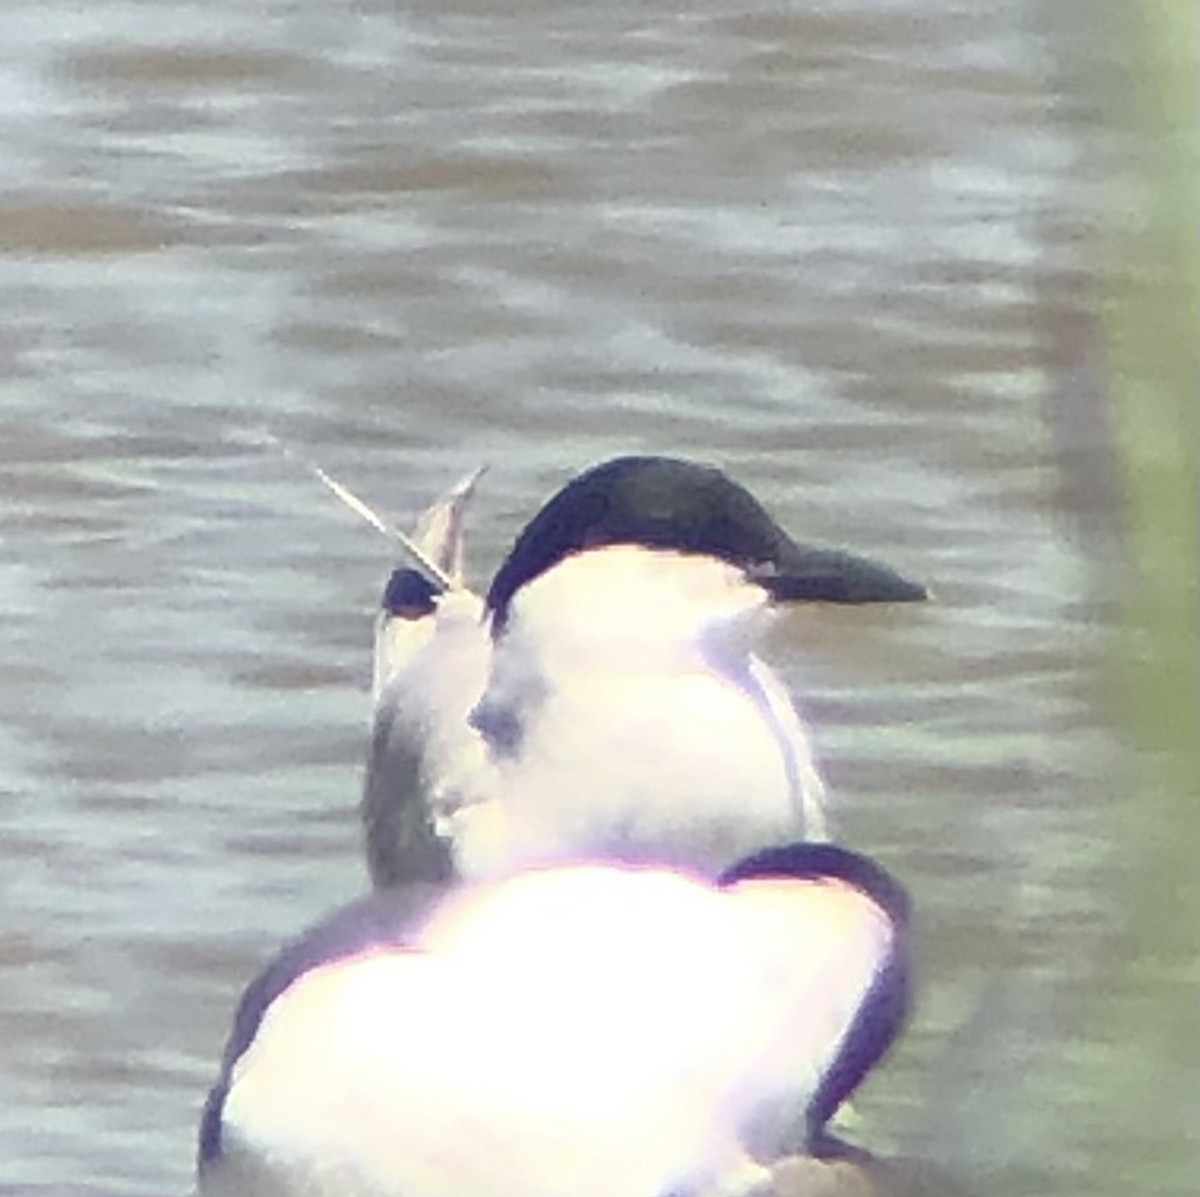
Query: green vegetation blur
x,y
1150,319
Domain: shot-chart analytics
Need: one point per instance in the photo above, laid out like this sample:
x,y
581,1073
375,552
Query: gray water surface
x,y
837,249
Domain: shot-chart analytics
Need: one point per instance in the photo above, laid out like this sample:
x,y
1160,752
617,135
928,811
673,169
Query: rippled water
x,y
837,249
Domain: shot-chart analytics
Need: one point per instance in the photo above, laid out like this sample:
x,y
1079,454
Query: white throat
x,y
627,718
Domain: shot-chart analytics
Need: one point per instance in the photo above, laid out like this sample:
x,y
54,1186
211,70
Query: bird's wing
x,y
428,673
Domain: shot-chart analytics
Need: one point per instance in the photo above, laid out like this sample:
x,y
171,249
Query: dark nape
x,y
409,594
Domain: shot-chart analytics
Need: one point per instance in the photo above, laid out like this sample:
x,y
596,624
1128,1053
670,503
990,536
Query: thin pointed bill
x,y
813,575
439,531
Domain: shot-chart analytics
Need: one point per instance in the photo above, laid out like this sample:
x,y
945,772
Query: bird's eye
x,y
499,725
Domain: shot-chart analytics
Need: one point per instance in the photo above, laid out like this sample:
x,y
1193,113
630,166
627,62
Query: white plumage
x,y
605,701
583,1031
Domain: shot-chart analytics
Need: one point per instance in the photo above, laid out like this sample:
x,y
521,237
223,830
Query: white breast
x,y
628,718
590,1031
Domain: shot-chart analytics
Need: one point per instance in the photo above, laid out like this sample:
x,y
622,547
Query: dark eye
x,y
499,726
409,595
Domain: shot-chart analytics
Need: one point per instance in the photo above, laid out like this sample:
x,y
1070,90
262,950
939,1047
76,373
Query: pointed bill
x,y
406,619
438,533
421,559
808,574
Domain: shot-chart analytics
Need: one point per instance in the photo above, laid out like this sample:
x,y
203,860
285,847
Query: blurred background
x,y
920,273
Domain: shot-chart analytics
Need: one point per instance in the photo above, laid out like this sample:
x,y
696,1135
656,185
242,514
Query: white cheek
x,y
628,607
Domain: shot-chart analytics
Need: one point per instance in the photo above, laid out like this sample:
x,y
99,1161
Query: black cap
x,y
666,503
409,594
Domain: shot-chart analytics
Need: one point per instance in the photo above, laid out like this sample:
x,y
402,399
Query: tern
x,y
604,699
582,1030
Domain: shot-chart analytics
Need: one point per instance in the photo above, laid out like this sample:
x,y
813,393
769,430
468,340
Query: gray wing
x,y
400,840
424,754
426,667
